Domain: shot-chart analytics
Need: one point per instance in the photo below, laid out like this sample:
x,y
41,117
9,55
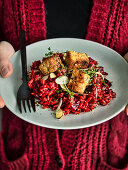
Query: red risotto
x,y
59,96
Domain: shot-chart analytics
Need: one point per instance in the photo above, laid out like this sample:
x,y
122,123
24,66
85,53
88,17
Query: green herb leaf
x,y
28,75
103,81
36,103
69,92
49,48
50,53
59,91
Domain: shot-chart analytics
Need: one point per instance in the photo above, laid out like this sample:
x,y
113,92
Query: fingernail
x,y
4,71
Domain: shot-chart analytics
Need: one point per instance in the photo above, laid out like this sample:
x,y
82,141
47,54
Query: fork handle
x,y
23,55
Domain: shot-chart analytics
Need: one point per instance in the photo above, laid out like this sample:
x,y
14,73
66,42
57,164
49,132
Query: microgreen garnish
x,y
28,75
62,65
90,83
59,90
65,51
65,88
103,81
36,103
69,92
91,72
50,53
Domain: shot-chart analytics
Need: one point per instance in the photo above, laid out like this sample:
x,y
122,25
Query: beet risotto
x,y
69,83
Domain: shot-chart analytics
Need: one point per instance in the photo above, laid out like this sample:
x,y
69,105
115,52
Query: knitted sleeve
x,y
0,20
26,15
109,24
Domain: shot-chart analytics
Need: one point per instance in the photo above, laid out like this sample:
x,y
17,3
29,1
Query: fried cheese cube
x,y
50,64
75,59
78,81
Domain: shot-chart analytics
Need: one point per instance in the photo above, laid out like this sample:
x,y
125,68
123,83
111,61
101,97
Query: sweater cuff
x,y
18,164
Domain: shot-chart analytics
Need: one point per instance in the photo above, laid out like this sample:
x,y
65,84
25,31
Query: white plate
x,y
113,63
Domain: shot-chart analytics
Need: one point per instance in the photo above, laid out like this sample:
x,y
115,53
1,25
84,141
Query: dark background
x,y
68,18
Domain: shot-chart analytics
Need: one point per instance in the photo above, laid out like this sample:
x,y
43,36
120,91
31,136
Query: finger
x,y
6,68
6,50
126,57
2,104
126,110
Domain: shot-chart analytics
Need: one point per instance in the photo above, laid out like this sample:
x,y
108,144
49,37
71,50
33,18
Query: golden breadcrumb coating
x,y
75,59
50,64
78,81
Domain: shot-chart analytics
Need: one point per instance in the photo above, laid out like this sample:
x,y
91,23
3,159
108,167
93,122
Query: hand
x,y
6,69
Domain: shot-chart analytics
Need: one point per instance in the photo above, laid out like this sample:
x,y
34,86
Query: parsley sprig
x,y
28,75
91,72
69,92
50,53
59,91
36,102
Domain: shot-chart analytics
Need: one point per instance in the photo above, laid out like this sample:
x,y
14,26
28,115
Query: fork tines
x,y
28,101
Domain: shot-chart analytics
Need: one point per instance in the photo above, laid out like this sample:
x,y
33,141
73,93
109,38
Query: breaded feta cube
x,y
75,59
78,81
50,64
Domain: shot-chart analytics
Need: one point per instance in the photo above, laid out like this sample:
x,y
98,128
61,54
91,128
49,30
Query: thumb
x,y
6,68
2,104
126,110
126,57
6,51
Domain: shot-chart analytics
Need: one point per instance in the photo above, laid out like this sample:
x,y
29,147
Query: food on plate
x,y
50,64
62,80
59,111
67,86
75,59
78,81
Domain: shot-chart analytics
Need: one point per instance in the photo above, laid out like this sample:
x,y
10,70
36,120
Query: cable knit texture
x,y
24,146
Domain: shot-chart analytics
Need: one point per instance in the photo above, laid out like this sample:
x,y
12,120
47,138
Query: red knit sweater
x,y
26,146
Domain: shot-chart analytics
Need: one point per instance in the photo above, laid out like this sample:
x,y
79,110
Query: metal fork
x,y
24,92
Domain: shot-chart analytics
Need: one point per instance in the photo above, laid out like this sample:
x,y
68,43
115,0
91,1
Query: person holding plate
x,y
27,146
